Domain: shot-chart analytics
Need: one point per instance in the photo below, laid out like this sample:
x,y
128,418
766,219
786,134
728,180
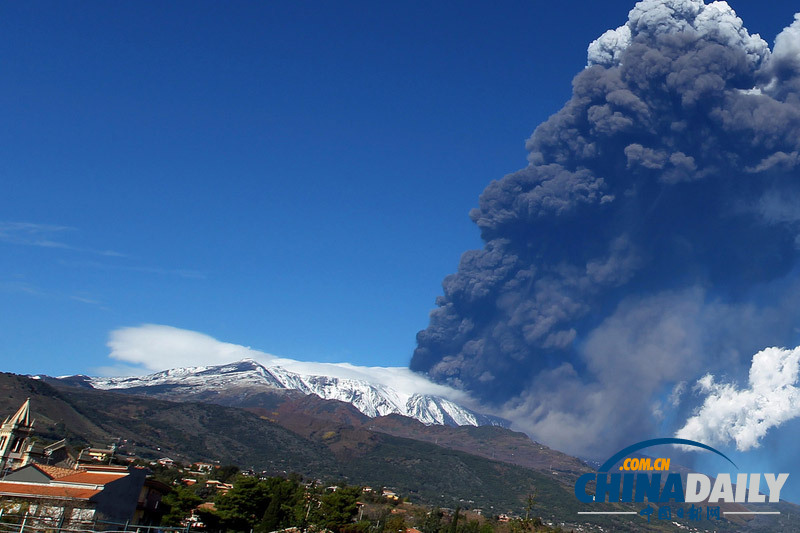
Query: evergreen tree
x,y
432,522
337,508
285,505
454,523
226,474
243,505
395,523
181,500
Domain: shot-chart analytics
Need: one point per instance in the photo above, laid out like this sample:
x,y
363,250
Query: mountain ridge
x,y
248,376
317,446
286,431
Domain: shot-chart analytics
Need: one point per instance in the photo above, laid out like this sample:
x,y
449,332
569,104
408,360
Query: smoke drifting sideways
x,y
653,237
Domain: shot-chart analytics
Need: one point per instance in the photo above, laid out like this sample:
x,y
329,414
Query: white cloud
x,y
23,287
787,44
715,21
746,415
607,49
153,347
181,272
44,236
54,237
780,207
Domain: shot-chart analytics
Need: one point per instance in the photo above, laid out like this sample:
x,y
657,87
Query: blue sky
x,y
290,176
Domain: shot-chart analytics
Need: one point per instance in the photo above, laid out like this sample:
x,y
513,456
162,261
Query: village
x,y
51,487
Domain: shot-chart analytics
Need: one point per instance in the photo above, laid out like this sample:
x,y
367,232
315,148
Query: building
x,y
15,434
205,468
69,496
54,454
73,493
148,508
219,486
97,455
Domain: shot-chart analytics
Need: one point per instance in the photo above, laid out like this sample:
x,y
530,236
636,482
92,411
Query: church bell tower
x,y
14,435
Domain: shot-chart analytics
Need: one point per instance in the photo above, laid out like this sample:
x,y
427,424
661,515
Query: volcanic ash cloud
x,y
652,237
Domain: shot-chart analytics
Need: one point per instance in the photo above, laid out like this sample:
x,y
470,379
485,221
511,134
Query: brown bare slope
x,y
191,431
330,439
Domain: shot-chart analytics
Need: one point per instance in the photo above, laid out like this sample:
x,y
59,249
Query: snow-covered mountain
x,y
369,398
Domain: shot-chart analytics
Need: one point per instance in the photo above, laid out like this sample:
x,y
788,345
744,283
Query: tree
x,y
395,523
432,522
226,473
181,500
454,522
471,526
530,501
285,505
337,508
530,522
243,505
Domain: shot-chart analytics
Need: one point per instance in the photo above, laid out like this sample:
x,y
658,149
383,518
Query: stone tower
x,y
14,434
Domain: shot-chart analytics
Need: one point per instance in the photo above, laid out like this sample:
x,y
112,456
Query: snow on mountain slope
x,y
369,398
202,377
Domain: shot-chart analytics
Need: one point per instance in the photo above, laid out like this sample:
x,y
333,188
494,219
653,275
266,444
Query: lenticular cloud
x,y
652,237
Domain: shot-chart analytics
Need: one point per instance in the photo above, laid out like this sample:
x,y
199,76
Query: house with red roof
x,y
91,493
60,496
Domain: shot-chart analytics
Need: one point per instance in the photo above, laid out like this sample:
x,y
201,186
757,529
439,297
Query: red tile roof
x,y
92,478
11,488
89,477
54,472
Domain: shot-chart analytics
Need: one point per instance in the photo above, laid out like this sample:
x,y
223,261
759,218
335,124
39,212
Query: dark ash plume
x,y
650,238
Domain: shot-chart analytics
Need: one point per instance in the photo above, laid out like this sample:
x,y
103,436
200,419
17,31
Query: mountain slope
x,y
248,376
188,431
331,440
